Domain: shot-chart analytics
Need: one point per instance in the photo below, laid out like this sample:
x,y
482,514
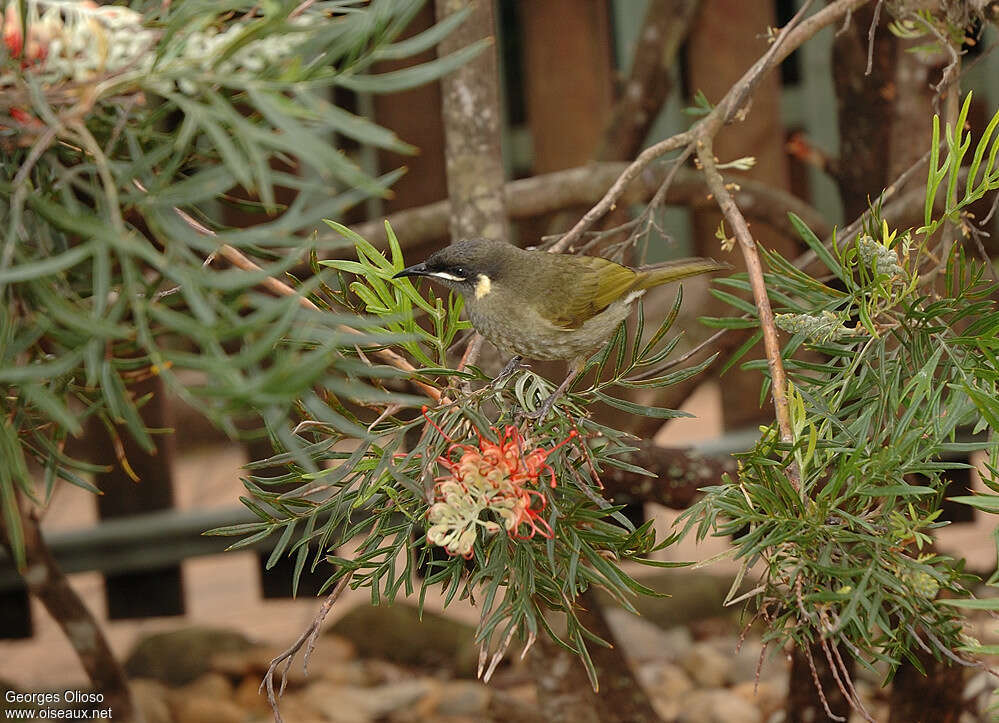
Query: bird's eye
x,y
460,271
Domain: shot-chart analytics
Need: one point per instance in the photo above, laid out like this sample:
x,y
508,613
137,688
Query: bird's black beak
x,y
415,270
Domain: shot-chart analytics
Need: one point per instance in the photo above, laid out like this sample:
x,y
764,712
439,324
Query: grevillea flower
x,y
501,478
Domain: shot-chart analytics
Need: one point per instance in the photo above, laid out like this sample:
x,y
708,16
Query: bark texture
x,y
50,586
472,123
728,37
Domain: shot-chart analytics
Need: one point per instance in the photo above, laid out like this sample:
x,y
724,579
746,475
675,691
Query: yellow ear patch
x,y
483,286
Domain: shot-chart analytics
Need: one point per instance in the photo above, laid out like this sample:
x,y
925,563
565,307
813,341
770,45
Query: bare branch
x,y
47,582
538,195
726,110
307,640
755,270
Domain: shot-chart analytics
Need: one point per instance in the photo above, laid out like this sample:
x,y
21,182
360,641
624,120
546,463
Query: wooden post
x,y
155,592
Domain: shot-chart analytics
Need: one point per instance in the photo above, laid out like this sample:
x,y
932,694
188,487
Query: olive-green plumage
x,y
547,306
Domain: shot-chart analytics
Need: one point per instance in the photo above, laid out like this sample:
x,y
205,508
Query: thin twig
x,y
308,640
754,268
818,685
471,355
793,35
238,259
870,37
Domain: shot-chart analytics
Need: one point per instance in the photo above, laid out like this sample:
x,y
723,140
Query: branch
x,y
754,268
679,475
664,29
538,195
47,582
307,640
787,41
472,128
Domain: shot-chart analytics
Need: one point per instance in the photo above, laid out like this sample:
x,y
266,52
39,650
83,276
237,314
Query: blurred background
x,y
822,130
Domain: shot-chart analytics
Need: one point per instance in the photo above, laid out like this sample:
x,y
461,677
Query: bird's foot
x,y
542,411
510,368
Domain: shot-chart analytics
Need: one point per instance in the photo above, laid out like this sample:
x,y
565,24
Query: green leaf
x,y
983,502
424,40
991,603
632,408
816,245
396,80
894,490
48,266
53,407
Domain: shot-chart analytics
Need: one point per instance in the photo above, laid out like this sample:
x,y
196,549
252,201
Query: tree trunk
x,y
804,697
47,582
472,124
727,39
936,697
564,691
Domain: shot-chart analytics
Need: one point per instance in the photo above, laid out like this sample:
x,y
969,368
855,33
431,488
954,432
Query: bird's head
x,y
469,267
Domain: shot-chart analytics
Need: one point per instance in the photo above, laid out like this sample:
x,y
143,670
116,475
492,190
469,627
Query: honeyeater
x,y
541,305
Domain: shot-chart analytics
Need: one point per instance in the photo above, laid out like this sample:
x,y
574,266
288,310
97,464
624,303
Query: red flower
x,y
500,477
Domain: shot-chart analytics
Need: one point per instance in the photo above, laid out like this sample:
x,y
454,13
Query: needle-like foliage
x,y
892,365
129,137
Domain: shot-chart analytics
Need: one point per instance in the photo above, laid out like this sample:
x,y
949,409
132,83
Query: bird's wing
x,y
596,284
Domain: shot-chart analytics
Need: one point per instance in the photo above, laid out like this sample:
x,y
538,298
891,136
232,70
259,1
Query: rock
x,y
294,709
666,680
390,697
746,657
338,703
691,596
463,697
351,672
191,709
397,634
180,656
248,695
350,704
717,705
150,697
769,696
331,650
642,640
706,666
980,691
210,685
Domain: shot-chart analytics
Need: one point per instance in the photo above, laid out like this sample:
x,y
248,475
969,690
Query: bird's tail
x,y
658,274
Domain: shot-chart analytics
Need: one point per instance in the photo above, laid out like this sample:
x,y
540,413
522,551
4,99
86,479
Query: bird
x,y
547,306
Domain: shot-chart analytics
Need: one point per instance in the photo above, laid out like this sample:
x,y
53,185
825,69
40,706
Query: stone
x,y
666,680
397,634
248,695
351,704
717,705
180,656
150,698
642,640
191,709
463,698
210,685
331,650
390,697
769,696
351,672
293,709
706,665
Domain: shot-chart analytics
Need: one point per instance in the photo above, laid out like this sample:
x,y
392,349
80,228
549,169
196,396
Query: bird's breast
x,y
517,328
